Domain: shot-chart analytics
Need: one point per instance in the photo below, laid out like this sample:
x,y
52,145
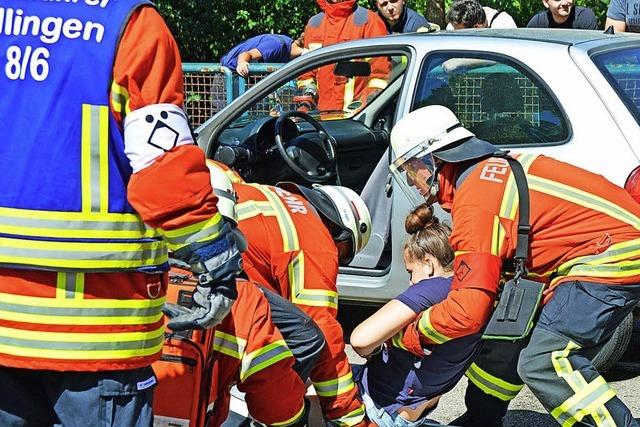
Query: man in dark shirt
x,y
563,14
400,19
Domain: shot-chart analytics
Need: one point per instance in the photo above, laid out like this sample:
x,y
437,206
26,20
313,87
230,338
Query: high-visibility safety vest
x,y
63,204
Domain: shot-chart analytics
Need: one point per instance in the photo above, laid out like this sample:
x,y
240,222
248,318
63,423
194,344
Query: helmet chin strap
x,y
435,187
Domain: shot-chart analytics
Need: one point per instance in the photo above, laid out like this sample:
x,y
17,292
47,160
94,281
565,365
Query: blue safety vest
x,y
63,170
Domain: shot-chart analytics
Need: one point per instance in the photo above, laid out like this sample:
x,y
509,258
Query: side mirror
x,y
352,69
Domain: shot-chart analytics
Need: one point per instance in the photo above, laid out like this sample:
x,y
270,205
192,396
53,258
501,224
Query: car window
x,y
622,69
337,90
493,97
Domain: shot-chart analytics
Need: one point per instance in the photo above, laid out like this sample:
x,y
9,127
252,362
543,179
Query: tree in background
x,y
207,29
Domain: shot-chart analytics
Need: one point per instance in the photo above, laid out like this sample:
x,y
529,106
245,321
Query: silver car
x,y
570,94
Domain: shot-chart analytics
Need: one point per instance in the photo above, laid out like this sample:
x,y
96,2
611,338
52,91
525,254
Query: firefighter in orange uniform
x,y
93,197
340,21
294,252
251,353
584,237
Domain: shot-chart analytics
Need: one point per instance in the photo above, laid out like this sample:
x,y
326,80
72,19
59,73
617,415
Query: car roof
x,y
557,36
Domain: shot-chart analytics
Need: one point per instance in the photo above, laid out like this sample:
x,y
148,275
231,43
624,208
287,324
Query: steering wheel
x,y
304,164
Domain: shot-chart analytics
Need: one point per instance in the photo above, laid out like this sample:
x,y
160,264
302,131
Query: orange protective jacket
x,y
35,332
583,227
291,252
340,22
251,354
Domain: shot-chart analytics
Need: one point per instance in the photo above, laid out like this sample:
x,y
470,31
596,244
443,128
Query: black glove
x,y
216,265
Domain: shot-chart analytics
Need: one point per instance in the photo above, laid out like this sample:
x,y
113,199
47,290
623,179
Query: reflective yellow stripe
x,y
584,199
334,387
69,285
349,92
351,419
263,358
509,204
616,261
94,158
377,83
589,398
304,83
290,243
228,344
428,330
492,385
249,209
120,99
78,311
396,340
203,231
291,420
77,346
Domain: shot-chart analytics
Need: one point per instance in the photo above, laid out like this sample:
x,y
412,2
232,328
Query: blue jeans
x,y
30,398
382,418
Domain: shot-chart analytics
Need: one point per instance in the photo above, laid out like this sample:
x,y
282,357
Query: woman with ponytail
x,y
401,381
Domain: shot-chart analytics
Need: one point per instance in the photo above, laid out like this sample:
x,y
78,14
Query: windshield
x,y
334,91
622,69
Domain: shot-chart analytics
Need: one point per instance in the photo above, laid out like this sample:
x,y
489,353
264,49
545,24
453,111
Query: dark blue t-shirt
x,y
409,22
273,48
395,377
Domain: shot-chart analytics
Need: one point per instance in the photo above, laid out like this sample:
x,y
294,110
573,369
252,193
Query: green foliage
x,y
206,29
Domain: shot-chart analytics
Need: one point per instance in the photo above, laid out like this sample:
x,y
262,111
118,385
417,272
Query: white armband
x,y
151,131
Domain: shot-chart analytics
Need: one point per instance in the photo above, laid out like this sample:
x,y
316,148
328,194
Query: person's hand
x,y
215,264
243,68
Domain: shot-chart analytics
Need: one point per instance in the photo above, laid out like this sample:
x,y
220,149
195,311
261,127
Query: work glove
x,y
215,265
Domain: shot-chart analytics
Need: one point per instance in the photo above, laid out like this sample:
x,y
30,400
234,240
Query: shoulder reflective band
x,y
335,386
424,325
263,358
229,344
290,243
120,99
492,385
589,398
509,205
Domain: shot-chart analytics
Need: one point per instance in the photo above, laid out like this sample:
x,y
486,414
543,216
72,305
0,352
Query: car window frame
x,y
501,57
323,56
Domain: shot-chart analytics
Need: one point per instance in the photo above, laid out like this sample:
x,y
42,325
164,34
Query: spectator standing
x,y
119,183
276,48
624,15
340,21
399,18
471,14
563,14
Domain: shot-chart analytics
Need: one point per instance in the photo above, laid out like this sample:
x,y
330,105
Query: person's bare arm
x,y
244,58
381,326
618,26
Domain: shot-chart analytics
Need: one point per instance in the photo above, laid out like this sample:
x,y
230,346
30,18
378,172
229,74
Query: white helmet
x,y
342,207
223,189
428,132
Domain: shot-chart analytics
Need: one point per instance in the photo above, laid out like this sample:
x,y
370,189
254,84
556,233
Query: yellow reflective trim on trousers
x,y
349,92
229,344
576,381
492,385
263,358
377,83
584,403
51,345
335,386
584,199
202,231
351,419
509,204
427,329
120,99
291,420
